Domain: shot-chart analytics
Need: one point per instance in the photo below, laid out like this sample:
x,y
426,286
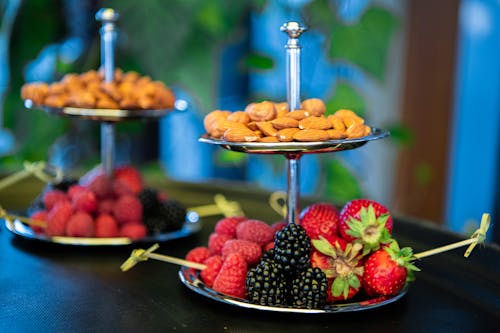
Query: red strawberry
x,y
216,242
51,198
106,226
341,265
366,221
127,209
198,254
249,250
80,224
227,225
213,265
130,176
133,231
232,276
255,231
57,219
387,270
319,219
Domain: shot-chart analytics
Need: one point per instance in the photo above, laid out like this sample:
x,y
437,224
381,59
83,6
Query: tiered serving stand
x,y
292,151
108,118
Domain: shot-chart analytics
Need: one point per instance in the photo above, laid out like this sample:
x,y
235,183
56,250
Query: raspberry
x,y
255,231
127,209
120,188
80,224
130,177
106,226
227,226
40,215
105,206
232,276
268,246
101,186
51,198
133,231
213,265
57,218
84,200
76,189
277,226
320,219
216,242
249,250
198,254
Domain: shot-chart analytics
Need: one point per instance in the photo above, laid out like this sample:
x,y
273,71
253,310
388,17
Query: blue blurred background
x,y
428,71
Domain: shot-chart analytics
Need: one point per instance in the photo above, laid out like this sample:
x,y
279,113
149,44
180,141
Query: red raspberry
x,y
85,201
105,206
277,226
131,177
255,231
80,224
120,188
268,246
76,189
51,198
133,231
162,196
227,225
216,242
249,250
40,215
232,276
101,186
57,218
213,265
106,226
198,254
320,219
127,209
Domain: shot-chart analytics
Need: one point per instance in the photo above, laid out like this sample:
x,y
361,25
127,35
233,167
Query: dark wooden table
x,y
55,288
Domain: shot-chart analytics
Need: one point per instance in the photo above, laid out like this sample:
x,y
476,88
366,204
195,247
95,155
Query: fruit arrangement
x,y
101,206
128,91
273,122
329,256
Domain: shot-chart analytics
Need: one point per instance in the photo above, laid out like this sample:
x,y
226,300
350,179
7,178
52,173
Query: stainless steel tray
x,y
296,147
189,277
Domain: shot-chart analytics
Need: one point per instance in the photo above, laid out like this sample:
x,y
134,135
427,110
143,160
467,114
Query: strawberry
x,y
319,219
341,264
388,269
366,221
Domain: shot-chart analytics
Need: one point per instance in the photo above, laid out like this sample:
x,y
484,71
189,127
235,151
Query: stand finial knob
x,y
107,15
293,29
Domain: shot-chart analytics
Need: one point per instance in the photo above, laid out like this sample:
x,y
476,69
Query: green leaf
x,y
340,286
346,96
341,184
366,43
354,281
324,246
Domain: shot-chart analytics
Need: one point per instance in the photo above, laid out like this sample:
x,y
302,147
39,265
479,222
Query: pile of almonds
x,y
127,91
273,122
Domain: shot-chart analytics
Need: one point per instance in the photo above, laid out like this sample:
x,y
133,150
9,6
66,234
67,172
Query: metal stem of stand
x,y
108,17
293,30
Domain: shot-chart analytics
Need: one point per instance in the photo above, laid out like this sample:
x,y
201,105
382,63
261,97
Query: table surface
x,y
58,288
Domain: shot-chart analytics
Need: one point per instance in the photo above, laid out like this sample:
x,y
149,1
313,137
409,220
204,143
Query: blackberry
x,y
156,225
292,249
309,289
268,255
266,285
174,214
149,200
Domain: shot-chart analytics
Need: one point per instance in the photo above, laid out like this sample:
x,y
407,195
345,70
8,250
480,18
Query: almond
x,y
239,117
262,111
284,122
311,135
239,134
351,120
266,128
320,123
315,106
286,134
298,114
281,109
368,130
252,125
212,116
219,127
355,131
337,122
269,139
335,134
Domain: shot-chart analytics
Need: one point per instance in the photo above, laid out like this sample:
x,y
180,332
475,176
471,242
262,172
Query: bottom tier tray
x,y
20,229
190,279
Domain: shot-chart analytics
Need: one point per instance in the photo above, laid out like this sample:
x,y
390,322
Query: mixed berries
x,y
106,206
327,257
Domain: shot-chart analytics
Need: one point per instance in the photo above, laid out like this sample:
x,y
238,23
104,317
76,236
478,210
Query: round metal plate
x,y
189,277
296,147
